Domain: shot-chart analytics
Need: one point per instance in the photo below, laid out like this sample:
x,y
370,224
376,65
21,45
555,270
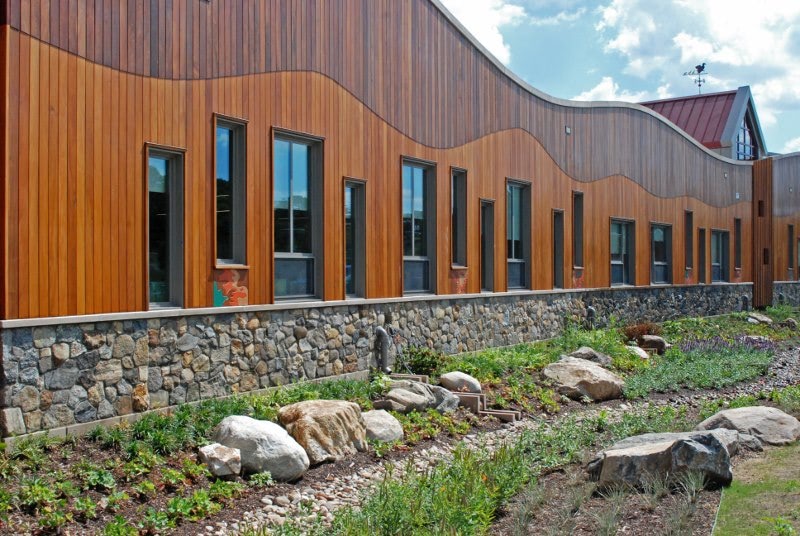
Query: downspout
x,y
383,348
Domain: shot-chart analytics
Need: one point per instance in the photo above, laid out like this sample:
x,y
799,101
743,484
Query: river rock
x,y
328,430
264,446
654,342
578,378
639,352
590,354
382,426
770,425
460,382
405,396
663,457
222,461
758,318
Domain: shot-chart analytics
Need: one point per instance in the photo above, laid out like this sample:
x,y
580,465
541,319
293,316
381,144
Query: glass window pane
x,y
408,186
516,274
420,222
281,195
159,230
659,245
300,202
224,194
349,242
294,277
415,276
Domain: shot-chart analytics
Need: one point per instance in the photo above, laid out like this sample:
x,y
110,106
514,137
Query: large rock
x,y
382,426
758,318
264,446
590,354
772,426
653,342
222,461
405,396
578,378
732,440
663,457
460,382
639,352
328,430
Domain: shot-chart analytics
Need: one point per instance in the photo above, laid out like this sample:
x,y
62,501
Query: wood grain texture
x,y
786,212
90,83
762,221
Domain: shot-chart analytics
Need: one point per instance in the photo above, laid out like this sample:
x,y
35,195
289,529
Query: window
x,y
458,223
354,238
577,229
297,206
558,249
737,243
518,233
790,245
165,227
419,238
719,256
231,192
688,239
746,145
622,252
661,254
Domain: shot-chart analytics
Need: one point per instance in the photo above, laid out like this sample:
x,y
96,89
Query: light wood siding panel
x,y
786,211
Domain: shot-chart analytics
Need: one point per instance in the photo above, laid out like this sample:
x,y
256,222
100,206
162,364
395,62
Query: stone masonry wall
x,y
55,377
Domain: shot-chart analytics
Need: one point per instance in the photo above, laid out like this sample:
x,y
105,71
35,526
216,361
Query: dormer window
x,y
746,145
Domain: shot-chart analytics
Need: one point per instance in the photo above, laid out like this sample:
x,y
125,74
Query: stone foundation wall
x,y
787,292
59,376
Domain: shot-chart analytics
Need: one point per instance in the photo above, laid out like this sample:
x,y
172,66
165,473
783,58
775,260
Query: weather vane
x,y
699,72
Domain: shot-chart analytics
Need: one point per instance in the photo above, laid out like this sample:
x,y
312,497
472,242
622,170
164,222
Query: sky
x,y
638,50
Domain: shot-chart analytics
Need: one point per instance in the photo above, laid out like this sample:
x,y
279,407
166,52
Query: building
x,y
202,198
726,122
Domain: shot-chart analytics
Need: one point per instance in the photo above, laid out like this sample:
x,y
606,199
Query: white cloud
x,y
485,18
792,146
608,90
562,17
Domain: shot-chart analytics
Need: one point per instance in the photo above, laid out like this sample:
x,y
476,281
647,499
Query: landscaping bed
x,y
146,478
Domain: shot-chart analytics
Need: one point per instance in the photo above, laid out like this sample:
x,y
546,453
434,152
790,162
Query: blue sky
x,y
636,50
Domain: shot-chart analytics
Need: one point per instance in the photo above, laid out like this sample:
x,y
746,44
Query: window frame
x,y
667,263
316,169
360,247
177,262
723,247
790,250
458,219
688,240
430,179
238,128
737,243
525,219
577,229
629,265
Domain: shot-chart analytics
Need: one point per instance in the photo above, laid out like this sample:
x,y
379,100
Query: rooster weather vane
x,y
699,72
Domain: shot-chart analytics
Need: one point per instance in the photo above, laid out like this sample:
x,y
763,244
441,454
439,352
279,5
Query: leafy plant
x,y
635,332
224,489
35,493
172,478
421,359
115,500
97,478
54,516
85,507
145,489
261,480
155,522
788,398
194,470
119,526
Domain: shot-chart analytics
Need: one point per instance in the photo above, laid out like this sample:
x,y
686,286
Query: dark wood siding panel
x,y
763,250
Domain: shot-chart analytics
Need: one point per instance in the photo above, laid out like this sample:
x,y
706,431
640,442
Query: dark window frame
x,y
659,265
688,238
790,245
359,268
720,272
238,171
458,217
315,180
577,229
429,207
522,258
629,263
737,243
176,232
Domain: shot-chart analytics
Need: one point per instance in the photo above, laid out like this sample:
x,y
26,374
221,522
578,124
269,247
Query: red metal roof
x,y
703,117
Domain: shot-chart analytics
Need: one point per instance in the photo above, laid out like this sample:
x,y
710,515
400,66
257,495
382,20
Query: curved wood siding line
x,y
76,218
406,59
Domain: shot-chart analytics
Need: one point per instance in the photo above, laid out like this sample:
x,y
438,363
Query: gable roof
x,y
703,117
712,119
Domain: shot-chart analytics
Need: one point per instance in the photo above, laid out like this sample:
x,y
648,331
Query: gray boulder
x,y
732,440
770,425
264,446
406,396
578,378
758,318
382,426
641,459
222,461
460,382
590,354
639,352
654,342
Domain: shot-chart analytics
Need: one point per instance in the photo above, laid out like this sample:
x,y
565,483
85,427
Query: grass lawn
x,y
764,498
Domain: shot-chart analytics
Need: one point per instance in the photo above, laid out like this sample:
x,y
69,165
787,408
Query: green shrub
x,y
422,360
787,398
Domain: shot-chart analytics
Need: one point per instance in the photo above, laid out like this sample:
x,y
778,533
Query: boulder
x,y
732,440
460,382
405,396
770,425
639,352
328,430
654,342
640,460
590,354
758,318
382,426
264,446
222,461
578,378
790,323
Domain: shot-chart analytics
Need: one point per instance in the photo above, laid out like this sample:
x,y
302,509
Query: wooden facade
x,y
89,84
